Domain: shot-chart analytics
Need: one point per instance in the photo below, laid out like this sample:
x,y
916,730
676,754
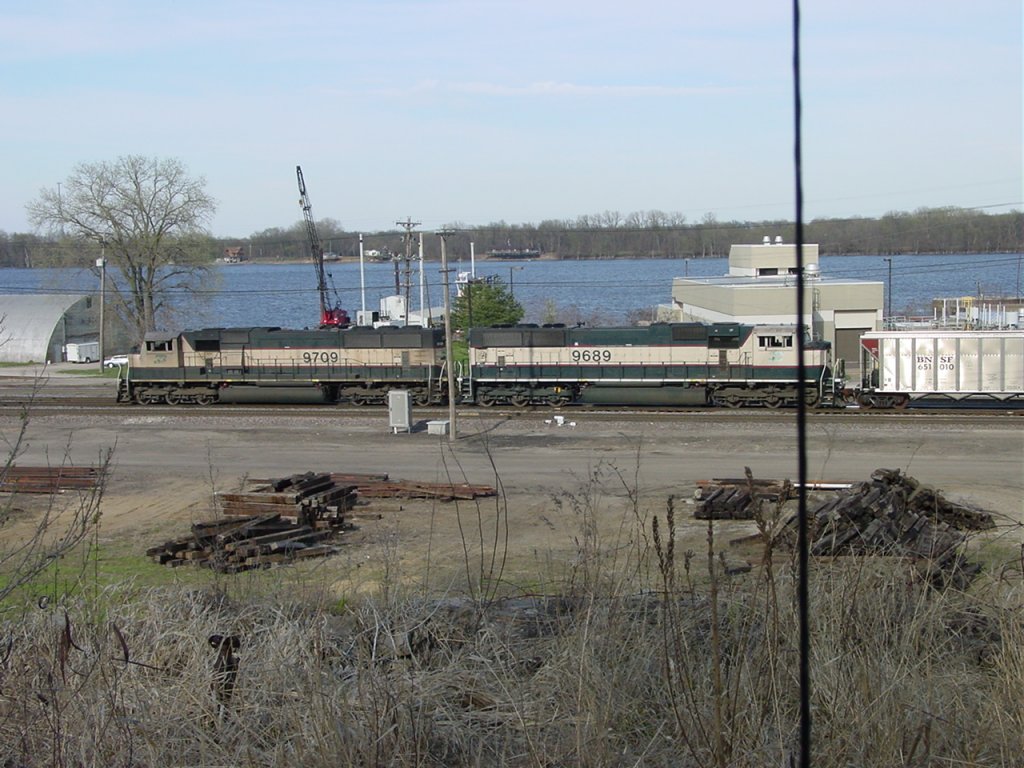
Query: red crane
x,y
330,316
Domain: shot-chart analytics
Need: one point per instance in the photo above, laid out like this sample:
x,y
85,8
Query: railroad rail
x,y
48,480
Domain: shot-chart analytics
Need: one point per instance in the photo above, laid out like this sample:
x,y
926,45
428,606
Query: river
x,y
598,292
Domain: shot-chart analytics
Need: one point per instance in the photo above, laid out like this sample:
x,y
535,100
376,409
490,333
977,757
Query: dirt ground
x,y
566,491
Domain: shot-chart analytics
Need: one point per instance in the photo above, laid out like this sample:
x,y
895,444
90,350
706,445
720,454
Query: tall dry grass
x,y
694,667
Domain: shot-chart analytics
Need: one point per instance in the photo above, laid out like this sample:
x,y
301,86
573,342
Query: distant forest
x,y
609,235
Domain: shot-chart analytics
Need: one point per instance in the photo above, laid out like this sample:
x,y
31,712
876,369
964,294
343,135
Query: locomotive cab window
x,y
163,345
775,342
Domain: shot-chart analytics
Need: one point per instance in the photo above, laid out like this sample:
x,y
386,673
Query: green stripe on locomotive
x,y
714,335
212,339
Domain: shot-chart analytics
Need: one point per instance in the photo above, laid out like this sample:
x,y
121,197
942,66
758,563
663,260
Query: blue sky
x,y
452,111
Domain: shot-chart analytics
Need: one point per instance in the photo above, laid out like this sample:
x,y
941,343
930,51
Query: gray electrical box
x,y
400,410
438,427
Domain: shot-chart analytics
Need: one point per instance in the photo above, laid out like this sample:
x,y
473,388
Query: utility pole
x,y
888,303
424,319
408,224
511,284
362,274
101,262
444,234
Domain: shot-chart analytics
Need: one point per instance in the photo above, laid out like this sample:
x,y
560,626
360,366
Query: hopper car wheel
x,y
520,400
486,399
206,398
901,403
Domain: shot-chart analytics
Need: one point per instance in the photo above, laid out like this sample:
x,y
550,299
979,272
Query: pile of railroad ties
x,y
890,514
270,522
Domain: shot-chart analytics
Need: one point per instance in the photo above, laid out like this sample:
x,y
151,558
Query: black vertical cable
x,y
801,416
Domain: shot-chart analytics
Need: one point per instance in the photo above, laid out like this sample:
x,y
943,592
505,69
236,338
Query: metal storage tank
x,y
946,364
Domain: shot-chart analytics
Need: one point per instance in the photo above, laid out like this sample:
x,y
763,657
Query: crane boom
x,y
330,316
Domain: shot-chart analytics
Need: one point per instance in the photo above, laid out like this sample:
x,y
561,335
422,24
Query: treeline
x,y
651,234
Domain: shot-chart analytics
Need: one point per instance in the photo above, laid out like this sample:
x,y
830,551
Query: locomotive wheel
x,y
772,401
360,400
206,398
557,401
486,399
420,397
520,400
148,397
174,397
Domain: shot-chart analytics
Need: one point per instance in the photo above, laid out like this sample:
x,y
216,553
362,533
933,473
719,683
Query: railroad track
x,y
85,405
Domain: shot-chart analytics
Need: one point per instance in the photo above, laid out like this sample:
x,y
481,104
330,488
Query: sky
x,y
469,112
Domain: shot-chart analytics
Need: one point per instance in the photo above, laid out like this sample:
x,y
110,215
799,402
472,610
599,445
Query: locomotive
x,y
267,364
722,364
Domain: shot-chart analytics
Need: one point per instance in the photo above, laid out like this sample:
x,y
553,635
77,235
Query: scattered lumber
x,y
313,499
242,543
893,514
274,521
737,499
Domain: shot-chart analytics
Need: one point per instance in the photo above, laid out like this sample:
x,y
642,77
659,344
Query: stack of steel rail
x,y
15,479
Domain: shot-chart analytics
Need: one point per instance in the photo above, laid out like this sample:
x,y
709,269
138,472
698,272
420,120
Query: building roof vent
x,y
778,239
812,271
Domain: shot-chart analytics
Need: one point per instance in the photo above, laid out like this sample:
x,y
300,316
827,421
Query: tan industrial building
x,y
761,288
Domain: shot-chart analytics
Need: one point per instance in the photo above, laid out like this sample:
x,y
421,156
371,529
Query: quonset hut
x,y
35,328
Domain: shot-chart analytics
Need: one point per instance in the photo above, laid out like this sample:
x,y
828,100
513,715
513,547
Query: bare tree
x,y
61,526
148,216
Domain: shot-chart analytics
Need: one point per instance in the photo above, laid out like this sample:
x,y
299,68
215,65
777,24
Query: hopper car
x,y
926,365
664,364
275,365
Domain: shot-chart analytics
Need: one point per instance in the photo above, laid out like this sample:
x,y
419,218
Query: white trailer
x,y
901,366
82,352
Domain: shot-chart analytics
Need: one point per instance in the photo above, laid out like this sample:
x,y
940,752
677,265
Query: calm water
x,y
598,292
